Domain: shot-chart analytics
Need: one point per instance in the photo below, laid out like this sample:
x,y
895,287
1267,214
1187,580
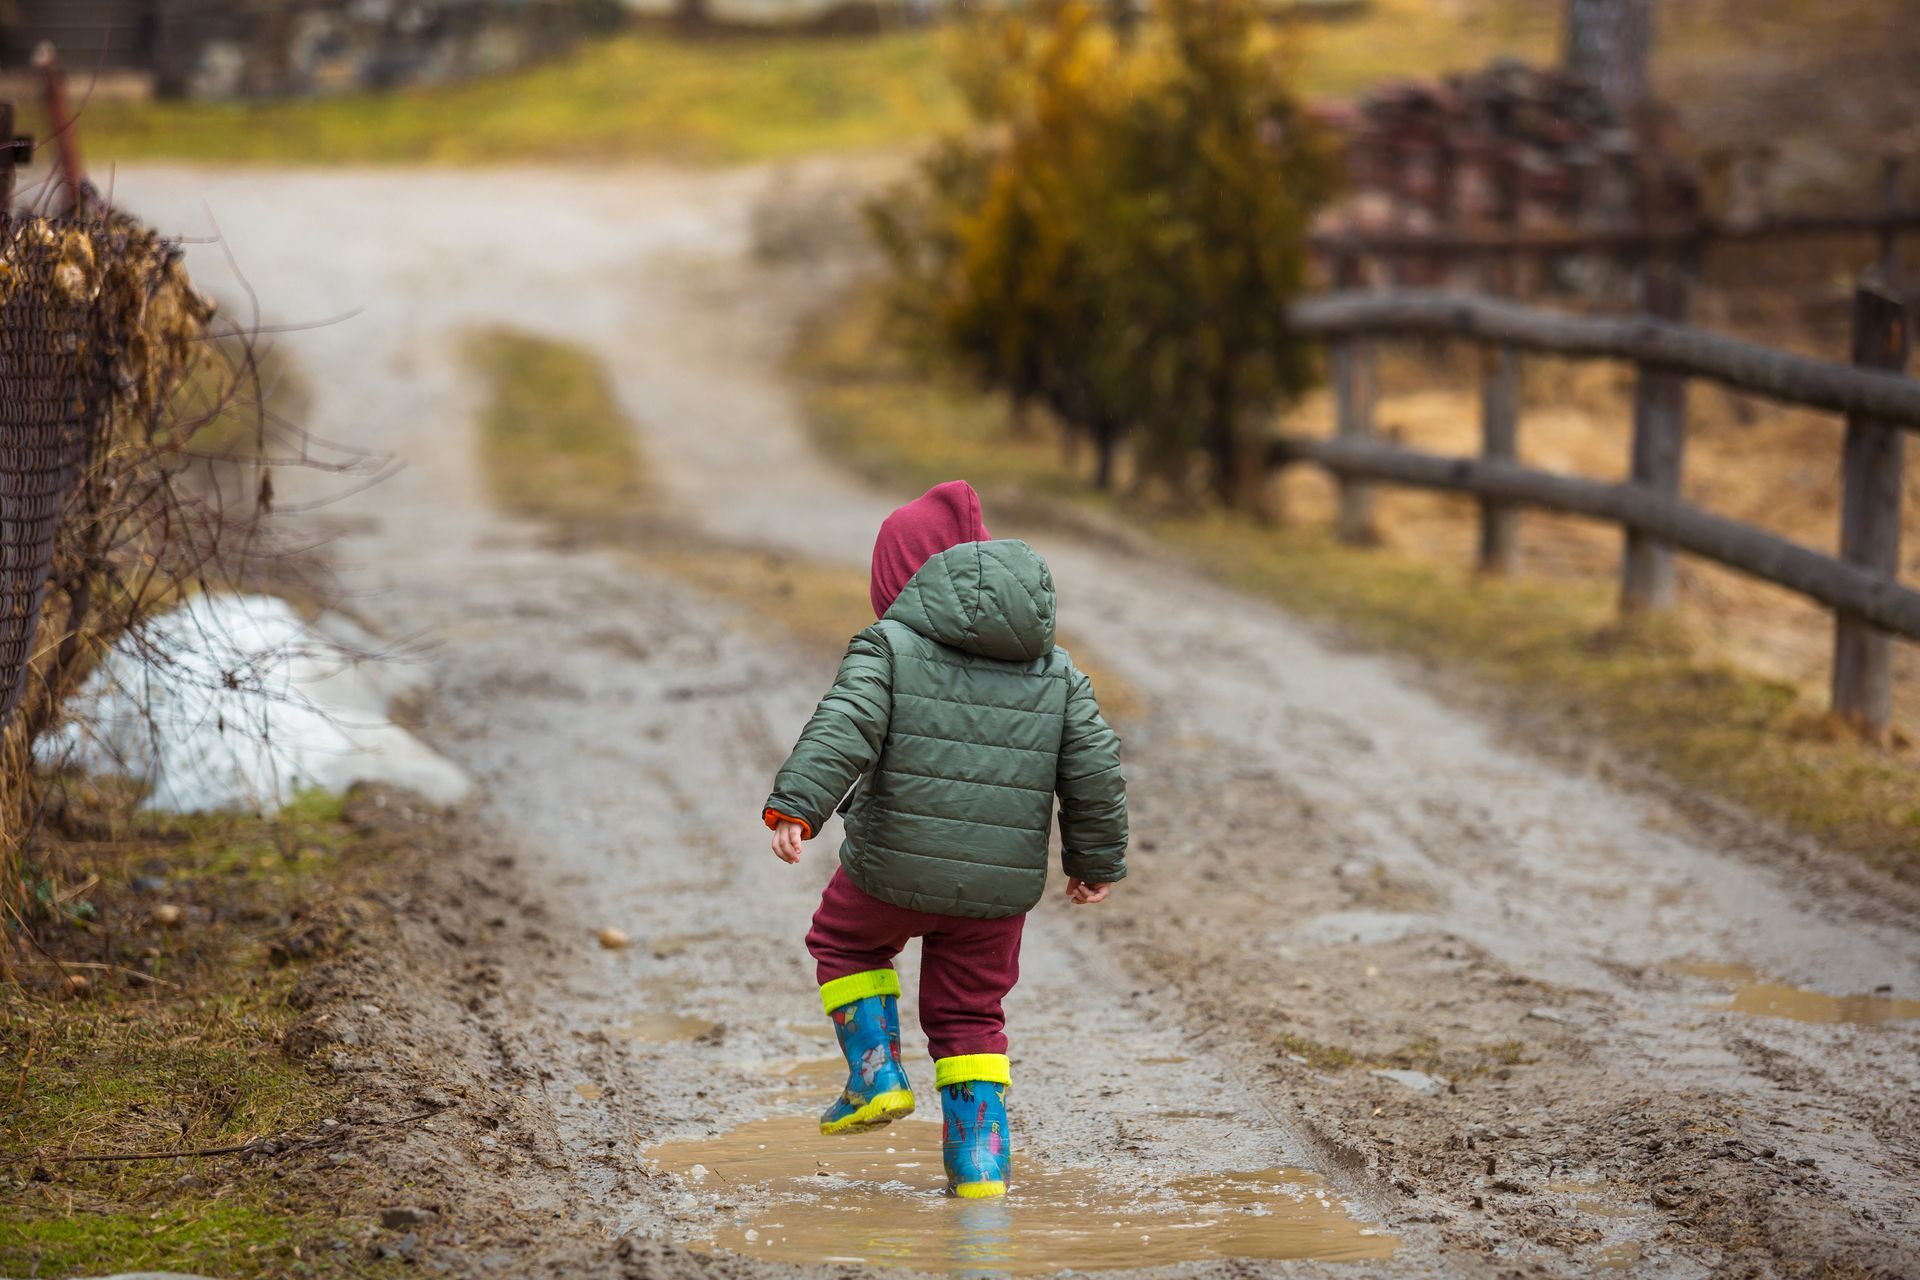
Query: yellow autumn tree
x,y
1117,234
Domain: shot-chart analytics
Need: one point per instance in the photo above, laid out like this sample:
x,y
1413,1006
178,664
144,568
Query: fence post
x,y
1870,515
1659,438
1499,417
1499,438
1353,395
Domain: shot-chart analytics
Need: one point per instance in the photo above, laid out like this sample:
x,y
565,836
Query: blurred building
x,y
272,48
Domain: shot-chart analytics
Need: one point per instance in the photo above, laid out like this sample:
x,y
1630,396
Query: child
x,y
966,721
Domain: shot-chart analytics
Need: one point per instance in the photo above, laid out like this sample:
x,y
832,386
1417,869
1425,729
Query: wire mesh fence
x,y
45,395
99,330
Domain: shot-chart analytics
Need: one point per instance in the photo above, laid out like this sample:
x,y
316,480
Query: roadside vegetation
x,y
650,96
150,1013
1065,304
1549,644
627,97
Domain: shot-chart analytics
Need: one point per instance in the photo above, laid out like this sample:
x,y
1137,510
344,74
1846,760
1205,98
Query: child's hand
x,y
786,841
1081,893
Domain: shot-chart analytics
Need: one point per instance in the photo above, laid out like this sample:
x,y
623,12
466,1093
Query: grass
x,y
1554,647
191,934
649,96
628,97
553,442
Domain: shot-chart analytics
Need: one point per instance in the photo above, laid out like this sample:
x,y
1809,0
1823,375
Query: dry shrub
x,y
114,378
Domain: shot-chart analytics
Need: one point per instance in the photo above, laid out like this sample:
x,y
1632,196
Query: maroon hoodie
x,y
945,516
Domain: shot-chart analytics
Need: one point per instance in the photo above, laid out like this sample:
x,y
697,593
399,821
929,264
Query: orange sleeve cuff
x,y
773,818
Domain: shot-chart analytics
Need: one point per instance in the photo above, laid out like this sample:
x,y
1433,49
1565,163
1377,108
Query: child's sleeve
x,y
841,741
1093,794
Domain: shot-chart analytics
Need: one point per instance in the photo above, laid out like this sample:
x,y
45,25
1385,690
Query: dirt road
x,y
1339,871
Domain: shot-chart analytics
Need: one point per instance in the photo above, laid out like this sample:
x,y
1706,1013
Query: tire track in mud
x,y
1338,873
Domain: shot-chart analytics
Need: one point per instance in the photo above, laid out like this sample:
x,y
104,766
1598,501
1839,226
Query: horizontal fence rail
x,y
1747,366
1879,402
1765,555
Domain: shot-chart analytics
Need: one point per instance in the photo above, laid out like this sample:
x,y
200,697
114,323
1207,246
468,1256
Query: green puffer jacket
x,y
967,722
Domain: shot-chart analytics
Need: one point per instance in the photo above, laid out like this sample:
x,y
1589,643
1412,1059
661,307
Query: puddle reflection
x,y
1756,994
879,1198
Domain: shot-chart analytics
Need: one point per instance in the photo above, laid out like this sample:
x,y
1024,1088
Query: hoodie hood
x,y
994,599
942,517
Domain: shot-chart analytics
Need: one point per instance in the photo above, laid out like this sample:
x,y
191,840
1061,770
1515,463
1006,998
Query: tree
x,y
1118,234
1609,44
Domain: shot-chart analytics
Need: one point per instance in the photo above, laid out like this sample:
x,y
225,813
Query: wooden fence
x,y
1878,400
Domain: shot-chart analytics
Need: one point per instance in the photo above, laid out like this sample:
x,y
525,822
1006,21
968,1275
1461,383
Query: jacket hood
x,y
942,517
994,599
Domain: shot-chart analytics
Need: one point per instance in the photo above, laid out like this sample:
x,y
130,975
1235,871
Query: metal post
x,y
1659,439
1872,471
61,126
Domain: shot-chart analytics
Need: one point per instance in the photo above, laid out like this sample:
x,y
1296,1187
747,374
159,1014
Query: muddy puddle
x,y
661,1028
1755,993
880,1199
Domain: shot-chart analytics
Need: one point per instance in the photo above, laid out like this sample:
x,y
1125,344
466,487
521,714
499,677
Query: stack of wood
x,y
1509,146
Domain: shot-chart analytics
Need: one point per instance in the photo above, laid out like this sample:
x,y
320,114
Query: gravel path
x,y
1339,870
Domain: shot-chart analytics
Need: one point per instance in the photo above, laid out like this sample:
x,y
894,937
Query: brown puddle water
x,y
880,1198
657,1028
1756,994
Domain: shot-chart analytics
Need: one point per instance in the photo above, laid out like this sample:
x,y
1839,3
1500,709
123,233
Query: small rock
x,y
614,939
405,1215
1550,1015
149,884
167,915
1418,1081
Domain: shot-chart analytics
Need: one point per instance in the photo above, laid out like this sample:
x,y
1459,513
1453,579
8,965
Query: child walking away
x,y
961,722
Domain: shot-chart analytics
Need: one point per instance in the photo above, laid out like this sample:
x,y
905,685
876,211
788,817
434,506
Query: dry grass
x,y
1763,464
1725,697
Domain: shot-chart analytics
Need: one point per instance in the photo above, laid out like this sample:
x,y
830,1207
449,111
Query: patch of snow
x,y
236,702
1418,1081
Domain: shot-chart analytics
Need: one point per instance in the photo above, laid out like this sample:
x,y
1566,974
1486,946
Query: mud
x,y
1338,870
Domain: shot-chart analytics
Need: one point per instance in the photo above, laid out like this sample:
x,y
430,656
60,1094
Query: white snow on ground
x,y
236,702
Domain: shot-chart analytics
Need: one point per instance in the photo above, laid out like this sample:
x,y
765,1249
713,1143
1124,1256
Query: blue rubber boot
x,y
865,1008
975,1140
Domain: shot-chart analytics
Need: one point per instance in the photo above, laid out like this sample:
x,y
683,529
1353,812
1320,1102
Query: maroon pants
x,y
966,966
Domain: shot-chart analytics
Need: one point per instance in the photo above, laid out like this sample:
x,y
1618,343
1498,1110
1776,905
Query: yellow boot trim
x,y
980,1190
992,1068
858,986
880,1109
